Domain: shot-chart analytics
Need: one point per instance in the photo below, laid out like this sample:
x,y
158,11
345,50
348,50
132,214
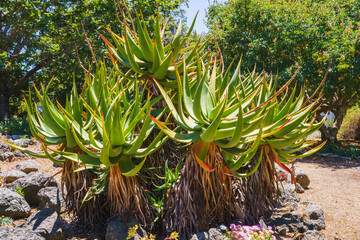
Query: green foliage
x,y
133,234
5,221
280,36
350,123
41,39
15,126
346,151
20,191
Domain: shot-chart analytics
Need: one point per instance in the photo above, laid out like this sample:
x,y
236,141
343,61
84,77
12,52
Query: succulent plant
x,y
228,121
148,57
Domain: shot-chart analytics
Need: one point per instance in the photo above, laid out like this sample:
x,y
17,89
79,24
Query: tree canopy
x,y
41,39
279,36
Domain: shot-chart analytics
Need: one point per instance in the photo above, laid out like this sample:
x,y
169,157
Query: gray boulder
x,y
315,219
18,153
13,205
31,184
46,223
302,177
212,234
51,197
4,147
12,175
287,192
313,235
9,233
7,156
21,143
28,166
118,229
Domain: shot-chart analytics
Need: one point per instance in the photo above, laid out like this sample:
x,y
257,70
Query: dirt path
x,y
335,184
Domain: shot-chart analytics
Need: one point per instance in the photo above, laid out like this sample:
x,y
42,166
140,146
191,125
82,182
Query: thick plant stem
x,y
127,198
75,186
200,198
257,192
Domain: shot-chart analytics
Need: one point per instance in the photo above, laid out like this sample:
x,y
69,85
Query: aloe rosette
x,y
148,57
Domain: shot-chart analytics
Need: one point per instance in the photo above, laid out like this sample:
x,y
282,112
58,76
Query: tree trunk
x,y
4,95
330,133
357,130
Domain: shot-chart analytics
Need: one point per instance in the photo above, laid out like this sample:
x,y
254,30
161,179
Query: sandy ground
x,y
335,184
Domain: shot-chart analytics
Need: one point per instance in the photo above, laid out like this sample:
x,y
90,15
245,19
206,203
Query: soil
x,y
335,184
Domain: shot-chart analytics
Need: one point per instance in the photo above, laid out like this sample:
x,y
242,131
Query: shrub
x,y
15,126
346,151
351,123
5,221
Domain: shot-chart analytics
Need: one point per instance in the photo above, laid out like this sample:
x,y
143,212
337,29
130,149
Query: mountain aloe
x,y
227,121
147,57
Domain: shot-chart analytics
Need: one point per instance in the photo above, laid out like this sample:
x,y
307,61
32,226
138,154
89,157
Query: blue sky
x,y
201,6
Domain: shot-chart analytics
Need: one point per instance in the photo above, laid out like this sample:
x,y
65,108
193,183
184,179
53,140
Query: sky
x,y
201,6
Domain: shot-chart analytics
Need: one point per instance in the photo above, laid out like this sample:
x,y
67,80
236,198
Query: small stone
x,y
282,230
18,153
13,204
118,229
345,158
302,178
21,143
4,147
46,223
212,234
31,184
12,175
28,166
313,235
7,156
299,188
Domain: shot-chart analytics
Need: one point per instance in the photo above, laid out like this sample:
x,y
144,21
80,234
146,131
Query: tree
x,y
280,36
41,39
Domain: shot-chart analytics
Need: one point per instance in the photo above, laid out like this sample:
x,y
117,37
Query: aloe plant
x,y
227,121
147,56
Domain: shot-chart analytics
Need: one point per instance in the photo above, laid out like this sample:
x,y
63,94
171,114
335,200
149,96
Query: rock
x,y
345,158
31,184
13,205
50,197
46,223
118,229
9,233
299,188
28,166
212,234
18,153
302,178
12,175
315,219
21,143
7,156
313,235
287,192
4,147
16,137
